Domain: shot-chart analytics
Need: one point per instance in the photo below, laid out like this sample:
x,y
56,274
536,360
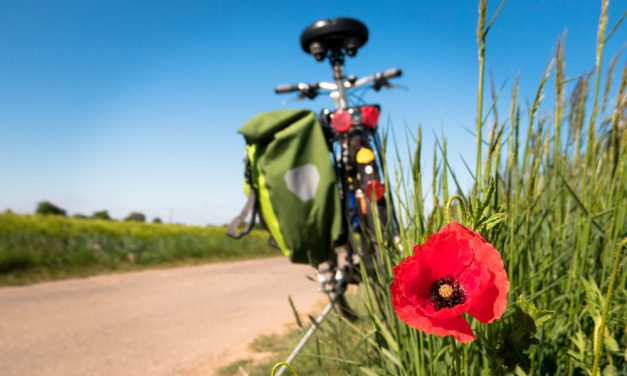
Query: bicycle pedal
x,y
326,281
354,278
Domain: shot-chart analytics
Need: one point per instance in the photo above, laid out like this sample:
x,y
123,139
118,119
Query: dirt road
x,y
182,321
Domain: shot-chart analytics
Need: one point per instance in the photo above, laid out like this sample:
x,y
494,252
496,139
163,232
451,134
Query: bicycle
x,y
351,132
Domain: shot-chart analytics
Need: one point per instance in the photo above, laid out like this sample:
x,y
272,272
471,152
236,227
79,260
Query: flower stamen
x,y
447,293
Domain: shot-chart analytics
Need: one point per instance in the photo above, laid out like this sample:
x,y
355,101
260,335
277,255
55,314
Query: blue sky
x,y
128,106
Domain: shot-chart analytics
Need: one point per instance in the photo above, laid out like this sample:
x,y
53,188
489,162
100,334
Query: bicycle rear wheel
x,y
376,221
358,161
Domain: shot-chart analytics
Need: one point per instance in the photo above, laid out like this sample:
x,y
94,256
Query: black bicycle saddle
x,y
339,35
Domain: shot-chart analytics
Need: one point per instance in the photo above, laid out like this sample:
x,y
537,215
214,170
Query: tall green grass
x,y
550,193
35,248
554,202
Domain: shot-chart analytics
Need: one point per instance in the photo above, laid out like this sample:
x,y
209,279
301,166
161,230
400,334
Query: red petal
x,y
491,300
413,280
492,303
446,253
457,326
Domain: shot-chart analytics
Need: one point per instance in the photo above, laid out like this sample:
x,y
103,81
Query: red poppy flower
x,y
454,272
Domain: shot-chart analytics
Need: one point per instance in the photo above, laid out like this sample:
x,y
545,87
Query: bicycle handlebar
x,y
286,88
391,73
310,90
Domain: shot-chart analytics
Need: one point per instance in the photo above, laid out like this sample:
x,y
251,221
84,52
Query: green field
x,y
38,248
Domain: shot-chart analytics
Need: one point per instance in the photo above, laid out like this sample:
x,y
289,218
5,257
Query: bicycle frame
x,y
339,94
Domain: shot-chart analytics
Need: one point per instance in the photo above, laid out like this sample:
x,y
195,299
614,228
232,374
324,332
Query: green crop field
x,y
37,248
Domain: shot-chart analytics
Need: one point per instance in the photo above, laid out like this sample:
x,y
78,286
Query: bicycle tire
x,y
353,178
370,220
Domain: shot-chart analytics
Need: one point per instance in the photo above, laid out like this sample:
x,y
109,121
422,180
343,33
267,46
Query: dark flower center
x,y
447,293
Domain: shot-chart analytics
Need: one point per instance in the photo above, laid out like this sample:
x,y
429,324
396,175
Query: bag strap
x,y
249,209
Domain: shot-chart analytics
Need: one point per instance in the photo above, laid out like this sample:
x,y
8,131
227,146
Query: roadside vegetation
x,y
335,350
36,248
550,194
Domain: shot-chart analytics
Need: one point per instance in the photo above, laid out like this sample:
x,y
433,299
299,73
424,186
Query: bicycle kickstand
x,y
314,326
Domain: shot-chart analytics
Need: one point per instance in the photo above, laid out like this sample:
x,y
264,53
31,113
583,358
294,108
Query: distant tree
x,y
79,216
135,217
157,220
102,214
48,208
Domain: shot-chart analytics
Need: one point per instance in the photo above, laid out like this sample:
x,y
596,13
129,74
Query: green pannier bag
x,y
291,184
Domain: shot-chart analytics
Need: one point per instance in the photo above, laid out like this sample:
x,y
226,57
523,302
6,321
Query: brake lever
x,y
386,84
381,82
309,91
299,97
402,87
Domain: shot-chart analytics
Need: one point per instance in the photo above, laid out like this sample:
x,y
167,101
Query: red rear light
x,y
341,120
376,188
370,116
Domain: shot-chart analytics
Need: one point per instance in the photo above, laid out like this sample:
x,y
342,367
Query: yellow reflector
x,y
365,155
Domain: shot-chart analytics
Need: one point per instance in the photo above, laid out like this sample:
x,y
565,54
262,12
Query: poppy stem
x,y
458,370
461,205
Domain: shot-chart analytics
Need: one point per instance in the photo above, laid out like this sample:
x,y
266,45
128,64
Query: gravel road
x,y
181,321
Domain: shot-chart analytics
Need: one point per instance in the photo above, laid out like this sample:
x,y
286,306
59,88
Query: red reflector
x,y
373,186
341,120
370,116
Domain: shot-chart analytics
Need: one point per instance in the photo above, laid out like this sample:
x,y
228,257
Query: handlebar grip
x,y
287,88
391,73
